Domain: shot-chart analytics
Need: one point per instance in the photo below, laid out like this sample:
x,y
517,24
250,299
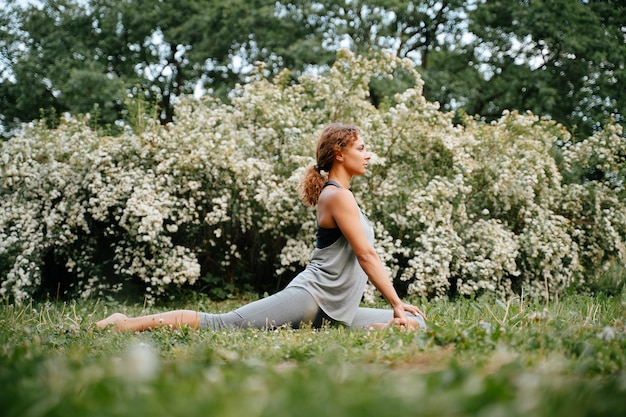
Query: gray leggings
x,y
291,306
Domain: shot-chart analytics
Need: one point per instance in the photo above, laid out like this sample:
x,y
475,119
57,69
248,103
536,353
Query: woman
x,y
331,286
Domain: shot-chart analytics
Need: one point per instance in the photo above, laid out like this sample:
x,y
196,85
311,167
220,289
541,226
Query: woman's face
x,y
355,157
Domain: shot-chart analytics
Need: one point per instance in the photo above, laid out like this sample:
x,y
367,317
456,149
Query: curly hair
x,y
334,138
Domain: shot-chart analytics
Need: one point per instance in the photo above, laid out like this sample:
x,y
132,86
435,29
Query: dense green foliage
x,y
559,58
481,358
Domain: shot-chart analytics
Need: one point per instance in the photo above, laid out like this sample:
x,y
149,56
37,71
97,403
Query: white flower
x,y
139,363
607,334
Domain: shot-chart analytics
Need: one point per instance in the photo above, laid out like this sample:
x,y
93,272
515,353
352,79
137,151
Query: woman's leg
x,y
291,306
379,318
174,319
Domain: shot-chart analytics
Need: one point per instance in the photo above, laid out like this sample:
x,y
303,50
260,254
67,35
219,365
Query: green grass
x,y
484,357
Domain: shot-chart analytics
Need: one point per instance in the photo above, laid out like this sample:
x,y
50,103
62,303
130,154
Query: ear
x,y
338,156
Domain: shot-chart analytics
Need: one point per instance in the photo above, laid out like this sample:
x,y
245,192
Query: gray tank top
x,y
334,277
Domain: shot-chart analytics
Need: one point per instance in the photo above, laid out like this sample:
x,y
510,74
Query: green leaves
x,y
555,58
560,59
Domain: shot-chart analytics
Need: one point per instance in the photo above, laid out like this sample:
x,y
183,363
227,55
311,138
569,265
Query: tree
x,y
413,30
53,67
560,58
563,58
79,57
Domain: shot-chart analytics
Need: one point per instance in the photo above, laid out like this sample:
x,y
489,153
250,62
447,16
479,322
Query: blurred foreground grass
x,y
484,357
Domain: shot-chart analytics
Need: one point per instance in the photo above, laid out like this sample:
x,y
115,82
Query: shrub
x,y
209,201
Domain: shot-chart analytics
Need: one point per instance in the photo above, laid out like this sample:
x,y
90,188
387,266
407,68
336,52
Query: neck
x,y
343,180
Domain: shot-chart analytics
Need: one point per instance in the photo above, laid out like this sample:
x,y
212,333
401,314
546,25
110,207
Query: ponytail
x,y
311,185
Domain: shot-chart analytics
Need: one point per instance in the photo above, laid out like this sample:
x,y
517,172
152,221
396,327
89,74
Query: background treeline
x,y
562,59
513,206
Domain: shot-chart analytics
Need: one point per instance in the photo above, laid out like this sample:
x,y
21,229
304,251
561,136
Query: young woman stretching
x,y
331,286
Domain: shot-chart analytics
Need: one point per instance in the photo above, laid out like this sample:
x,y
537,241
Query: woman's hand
x,y
413,310
402,320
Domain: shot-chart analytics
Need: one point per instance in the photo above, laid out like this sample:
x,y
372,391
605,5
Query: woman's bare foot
x,y
114,319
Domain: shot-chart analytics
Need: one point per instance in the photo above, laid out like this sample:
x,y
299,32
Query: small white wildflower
x,y
139,362
607,334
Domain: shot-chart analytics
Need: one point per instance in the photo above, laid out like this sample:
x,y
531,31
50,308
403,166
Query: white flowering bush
x,y
209,201
593,198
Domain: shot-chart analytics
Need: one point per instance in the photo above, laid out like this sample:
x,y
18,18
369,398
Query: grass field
x,y
484,357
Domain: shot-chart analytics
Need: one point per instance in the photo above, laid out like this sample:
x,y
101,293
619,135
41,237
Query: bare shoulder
x,y
334,203
331,196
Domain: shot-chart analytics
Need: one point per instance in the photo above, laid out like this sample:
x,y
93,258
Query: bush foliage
x,y
209,201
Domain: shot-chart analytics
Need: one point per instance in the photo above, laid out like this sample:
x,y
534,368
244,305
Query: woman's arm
x,y
341,205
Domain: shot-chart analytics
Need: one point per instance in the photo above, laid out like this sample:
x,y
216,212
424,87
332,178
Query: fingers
x,y
413,310
405,324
